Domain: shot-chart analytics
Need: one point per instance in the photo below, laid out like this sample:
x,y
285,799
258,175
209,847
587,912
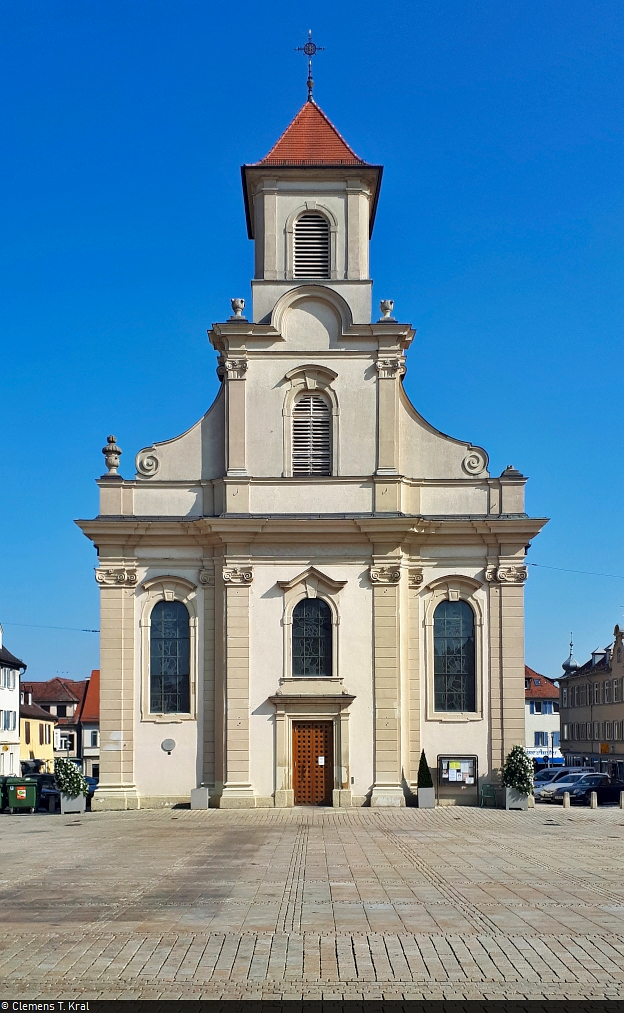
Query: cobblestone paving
x,y
317,904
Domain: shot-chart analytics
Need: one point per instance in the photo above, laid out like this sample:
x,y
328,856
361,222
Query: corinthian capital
x,y
506,574
391,367
237,574
116,576
385,574
233,369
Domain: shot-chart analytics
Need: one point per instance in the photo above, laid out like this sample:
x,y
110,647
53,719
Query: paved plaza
x,y
451,903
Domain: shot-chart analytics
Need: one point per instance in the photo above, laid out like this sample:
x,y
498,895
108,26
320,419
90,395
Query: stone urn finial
x,y
112,453
386,306
238,305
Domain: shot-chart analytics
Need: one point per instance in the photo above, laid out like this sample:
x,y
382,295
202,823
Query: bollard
x,y
566,800
622,800
593,799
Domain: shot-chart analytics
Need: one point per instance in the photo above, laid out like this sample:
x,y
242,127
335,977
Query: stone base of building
x,y
116,797
237,796
387,795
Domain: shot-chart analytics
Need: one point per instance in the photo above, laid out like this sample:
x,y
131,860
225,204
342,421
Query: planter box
x,y
426,798
515,800
73,805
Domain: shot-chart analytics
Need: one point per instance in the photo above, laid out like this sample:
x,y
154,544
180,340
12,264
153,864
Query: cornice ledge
x,y
341,698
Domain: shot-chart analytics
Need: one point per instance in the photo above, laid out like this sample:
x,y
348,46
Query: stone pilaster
x,y
117,789
506,598
207,583
387,790
390,368
233,370
237,788
415,580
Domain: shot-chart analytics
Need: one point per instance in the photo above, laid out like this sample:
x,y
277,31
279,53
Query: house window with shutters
x,y
311,436
311,245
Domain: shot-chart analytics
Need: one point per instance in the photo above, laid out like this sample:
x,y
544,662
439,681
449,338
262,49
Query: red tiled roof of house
x,y
311,139
58,690
540,687
91,704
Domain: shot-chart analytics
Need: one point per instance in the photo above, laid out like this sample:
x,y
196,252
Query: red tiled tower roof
x,y
311,139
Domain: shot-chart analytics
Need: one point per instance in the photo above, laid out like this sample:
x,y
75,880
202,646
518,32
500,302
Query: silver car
x,y
547,777
547,793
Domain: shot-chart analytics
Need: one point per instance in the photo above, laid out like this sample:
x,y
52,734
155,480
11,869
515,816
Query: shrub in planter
x,y
71,784
426,791
517,778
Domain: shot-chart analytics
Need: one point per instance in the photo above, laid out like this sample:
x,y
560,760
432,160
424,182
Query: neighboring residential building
x,y
36,734
62,698
10,671
541,717
312,584
592,709
90,726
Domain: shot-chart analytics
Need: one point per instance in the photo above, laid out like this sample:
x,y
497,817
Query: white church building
x,y
312,584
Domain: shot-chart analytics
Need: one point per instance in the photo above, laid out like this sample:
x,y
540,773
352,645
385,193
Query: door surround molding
x,y
291,707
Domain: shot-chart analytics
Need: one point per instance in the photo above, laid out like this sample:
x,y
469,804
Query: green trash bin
x,y
21,793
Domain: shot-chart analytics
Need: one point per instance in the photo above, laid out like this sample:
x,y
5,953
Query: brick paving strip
x,y
314,904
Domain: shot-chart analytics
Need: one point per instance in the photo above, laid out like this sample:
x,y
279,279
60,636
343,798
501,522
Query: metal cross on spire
x,y
310,49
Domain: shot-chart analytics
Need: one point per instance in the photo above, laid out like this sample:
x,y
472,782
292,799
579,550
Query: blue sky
x,y
499,236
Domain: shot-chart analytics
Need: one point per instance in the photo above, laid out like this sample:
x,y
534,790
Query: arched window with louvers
x,y
311,246
311,435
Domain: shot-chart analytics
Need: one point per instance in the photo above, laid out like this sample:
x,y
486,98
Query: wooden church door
x,y
313,762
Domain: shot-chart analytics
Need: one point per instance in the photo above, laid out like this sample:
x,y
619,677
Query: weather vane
x,y
310,49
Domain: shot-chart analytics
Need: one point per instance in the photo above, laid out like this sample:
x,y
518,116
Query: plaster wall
x,y
198,453
539,723
441,500
446,736
427,453
312,497
167,501
355,389
10,756
267,660
156,773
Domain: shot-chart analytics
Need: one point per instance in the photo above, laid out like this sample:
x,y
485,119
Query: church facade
x,y
312,584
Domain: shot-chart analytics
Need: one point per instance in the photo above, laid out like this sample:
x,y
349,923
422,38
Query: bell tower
x,y
310,207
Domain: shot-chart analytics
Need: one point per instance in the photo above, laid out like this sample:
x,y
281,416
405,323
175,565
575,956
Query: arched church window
x,y
311,638
311,246
454,656
311,441
169,658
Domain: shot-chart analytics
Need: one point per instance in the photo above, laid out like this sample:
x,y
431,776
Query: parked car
x,y
547,793
581,790
553,792
553,776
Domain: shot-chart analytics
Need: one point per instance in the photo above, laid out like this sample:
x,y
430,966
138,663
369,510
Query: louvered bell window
x,y
311,241
311,436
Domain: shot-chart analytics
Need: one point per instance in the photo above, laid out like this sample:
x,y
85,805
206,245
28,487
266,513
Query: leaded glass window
x,y
169,658
454,656
311,638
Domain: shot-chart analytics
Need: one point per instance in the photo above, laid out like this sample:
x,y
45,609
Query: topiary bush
x,y
424,774
518,771
68,778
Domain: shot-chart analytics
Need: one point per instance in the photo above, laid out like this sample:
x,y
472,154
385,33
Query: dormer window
x,y
311,246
